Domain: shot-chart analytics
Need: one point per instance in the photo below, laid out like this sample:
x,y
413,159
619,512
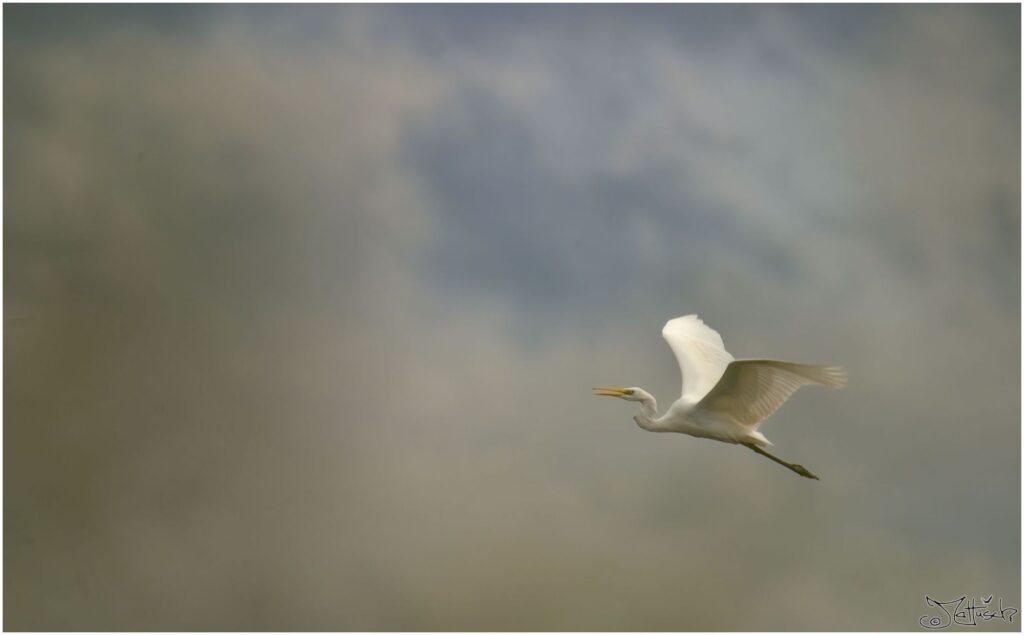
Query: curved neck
x,y
648,413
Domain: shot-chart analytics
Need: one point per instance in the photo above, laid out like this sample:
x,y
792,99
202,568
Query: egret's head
x,y
629,394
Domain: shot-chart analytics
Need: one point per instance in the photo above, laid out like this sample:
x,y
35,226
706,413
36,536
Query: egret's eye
x,y
628,392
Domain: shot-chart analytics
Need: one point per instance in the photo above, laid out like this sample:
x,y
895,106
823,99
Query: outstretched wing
x,y
752,389
700,352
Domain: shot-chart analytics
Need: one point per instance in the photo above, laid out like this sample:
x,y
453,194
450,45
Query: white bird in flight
x,y
723,398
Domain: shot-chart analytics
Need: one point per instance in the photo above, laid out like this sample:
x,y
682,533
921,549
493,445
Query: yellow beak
x,y
610,392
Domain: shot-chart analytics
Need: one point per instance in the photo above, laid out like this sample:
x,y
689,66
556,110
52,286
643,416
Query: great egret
x,y
723,398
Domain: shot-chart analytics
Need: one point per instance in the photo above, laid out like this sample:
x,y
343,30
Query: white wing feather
x,y
752,389
700,352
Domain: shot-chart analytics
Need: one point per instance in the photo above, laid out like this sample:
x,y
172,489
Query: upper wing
x,y
700,352
752,389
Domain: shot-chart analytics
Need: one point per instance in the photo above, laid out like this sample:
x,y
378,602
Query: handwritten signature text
x,y
965,612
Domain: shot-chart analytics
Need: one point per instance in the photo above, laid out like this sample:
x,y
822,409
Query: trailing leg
x,y
799,469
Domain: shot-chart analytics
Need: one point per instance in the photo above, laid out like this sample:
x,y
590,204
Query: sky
x,y
303,306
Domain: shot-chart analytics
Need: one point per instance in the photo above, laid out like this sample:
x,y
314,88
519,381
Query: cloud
x,y
304,307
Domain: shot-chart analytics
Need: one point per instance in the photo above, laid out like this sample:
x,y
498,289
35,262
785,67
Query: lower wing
x,y
750,390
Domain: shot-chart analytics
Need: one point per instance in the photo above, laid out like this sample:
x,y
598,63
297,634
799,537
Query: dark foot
x,y
803,471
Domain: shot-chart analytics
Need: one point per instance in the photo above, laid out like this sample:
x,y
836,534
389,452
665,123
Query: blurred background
x,y
303,305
